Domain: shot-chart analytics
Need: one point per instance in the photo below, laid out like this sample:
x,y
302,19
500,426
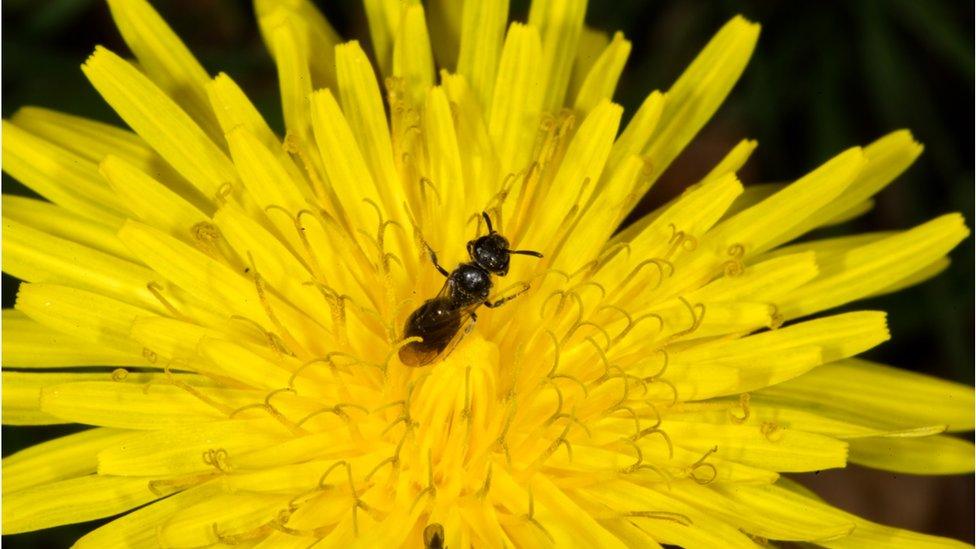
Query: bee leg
x,y
433,259
468,326
503,300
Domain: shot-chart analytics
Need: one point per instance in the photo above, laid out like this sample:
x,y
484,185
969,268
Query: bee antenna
x,y
491,230
526,252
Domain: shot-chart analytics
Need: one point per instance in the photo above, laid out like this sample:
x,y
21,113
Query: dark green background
x,y
825,76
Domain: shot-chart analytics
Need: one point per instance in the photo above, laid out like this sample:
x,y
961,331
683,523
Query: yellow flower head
x,y
243,298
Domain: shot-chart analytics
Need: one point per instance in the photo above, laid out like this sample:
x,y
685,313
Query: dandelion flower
x,y
225,306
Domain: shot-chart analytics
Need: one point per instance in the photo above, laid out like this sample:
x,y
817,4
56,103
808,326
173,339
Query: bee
x,y
439,320
434,536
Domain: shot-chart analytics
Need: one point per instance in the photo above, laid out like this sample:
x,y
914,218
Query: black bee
x,y
434,536
439,320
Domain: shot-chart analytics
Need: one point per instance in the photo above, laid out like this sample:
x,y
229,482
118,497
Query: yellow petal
x,y
766,281
234,109
158,120
482,34
697,94
601,80
752,195
446,173
568,523
362,105
869,534
676,462
706,380
323,247
281,269
775,513
150,200
264,176
934,455
771,416
343,161
576,179
317,35
516,104
477,151
139,528
692,213
186,449
868,269
606,210
64,223
762,226
865,533
131,404
445,30
829,249
276,540
95,140
888,398
592,43
166,60
294,75
768,358
215,284
483,521
636,135
236,362
839,336
412,57
789,451
81,314
22,396
28,344
170,338
87,138
642,506
35,256
637,132
58,459
560,24
73,500
733,162
265,461
931,271
720,319
847,213
383,16
886,159
198,524
59,175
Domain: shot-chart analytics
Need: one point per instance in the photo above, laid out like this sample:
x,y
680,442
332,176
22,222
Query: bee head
x,y
491,252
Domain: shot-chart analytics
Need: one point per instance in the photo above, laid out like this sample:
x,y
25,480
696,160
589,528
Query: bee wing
x,y
435,323
467,324
443,336
445,290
